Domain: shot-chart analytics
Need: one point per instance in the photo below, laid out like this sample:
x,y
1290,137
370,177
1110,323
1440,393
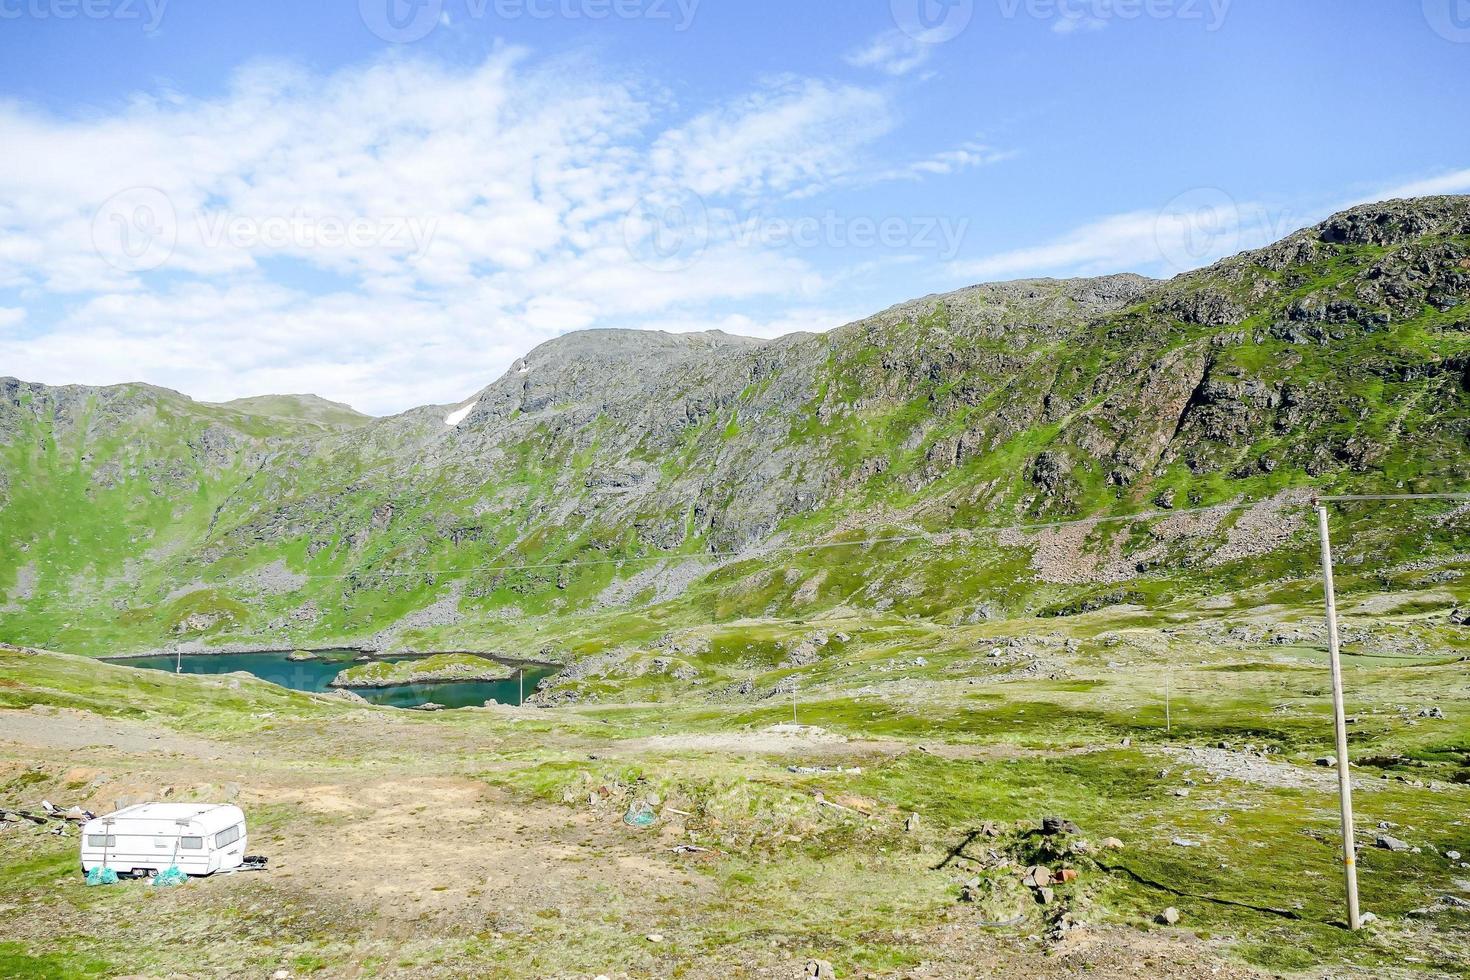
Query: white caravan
x,y
197,838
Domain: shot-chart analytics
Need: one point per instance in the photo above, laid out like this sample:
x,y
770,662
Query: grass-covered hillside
x,y
614,487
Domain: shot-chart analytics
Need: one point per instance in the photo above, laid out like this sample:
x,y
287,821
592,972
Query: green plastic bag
x,y
101,876
169,877
640,815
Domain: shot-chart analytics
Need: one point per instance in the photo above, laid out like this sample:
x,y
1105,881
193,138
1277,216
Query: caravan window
x,y
192,843
226,837
101,840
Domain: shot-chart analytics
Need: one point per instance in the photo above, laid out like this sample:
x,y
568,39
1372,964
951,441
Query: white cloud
x,y
493,197
11,316
1454,182
795,134
1078,23
893,53
967,156
1193,230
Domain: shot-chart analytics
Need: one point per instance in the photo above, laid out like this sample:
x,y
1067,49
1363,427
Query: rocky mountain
x,y
623,481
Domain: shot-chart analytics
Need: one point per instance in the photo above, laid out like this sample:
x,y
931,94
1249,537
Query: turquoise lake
x,y
316,675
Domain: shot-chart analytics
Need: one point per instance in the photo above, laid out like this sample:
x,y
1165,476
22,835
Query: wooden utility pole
x,y
1344,779
1168,697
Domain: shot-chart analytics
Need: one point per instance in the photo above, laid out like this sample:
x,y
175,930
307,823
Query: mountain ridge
x,y
1336,357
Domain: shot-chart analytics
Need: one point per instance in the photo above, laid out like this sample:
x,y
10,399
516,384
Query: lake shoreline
x,y
364,656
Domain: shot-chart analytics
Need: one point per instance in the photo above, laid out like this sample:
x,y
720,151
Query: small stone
x,y
1327,761
281,975
1184,842
1037,877
654,937
1452,855
1391,843
1181,792
911,824
1367,919
1112,844
1170,916
1045,896
819,970
1069,875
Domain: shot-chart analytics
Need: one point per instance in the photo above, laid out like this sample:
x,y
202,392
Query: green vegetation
x,y
436,669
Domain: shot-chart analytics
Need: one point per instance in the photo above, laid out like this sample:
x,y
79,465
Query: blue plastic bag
x,y
169,877
101,876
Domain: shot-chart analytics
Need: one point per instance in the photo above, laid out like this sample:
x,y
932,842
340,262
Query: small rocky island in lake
x,y
440,669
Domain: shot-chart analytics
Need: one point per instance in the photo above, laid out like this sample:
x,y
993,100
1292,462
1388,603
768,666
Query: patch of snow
x,y
460,414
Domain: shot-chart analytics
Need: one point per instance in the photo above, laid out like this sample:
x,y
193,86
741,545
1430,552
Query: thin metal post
x,y
1344,780
179,660
793,704
523,687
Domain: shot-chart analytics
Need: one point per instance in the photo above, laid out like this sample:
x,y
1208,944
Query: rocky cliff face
x,y
1339,357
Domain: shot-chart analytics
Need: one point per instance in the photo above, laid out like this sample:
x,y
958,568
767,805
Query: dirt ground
x,y
388,852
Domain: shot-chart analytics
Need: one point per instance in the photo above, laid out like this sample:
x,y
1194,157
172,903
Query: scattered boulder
x,y
1169,917
1431,712
1055,826
1392,844
911,824
1068,876
1460,617
1037,877
1045,896
819,970
1112,844
1327,761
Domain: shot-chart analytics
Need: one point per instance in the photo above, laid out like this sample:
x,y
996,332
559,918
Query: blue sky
x,y
388,201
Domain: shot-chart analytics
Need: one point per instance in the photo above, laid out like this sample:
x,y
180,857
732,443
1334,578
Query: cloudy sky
x,y
385,202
